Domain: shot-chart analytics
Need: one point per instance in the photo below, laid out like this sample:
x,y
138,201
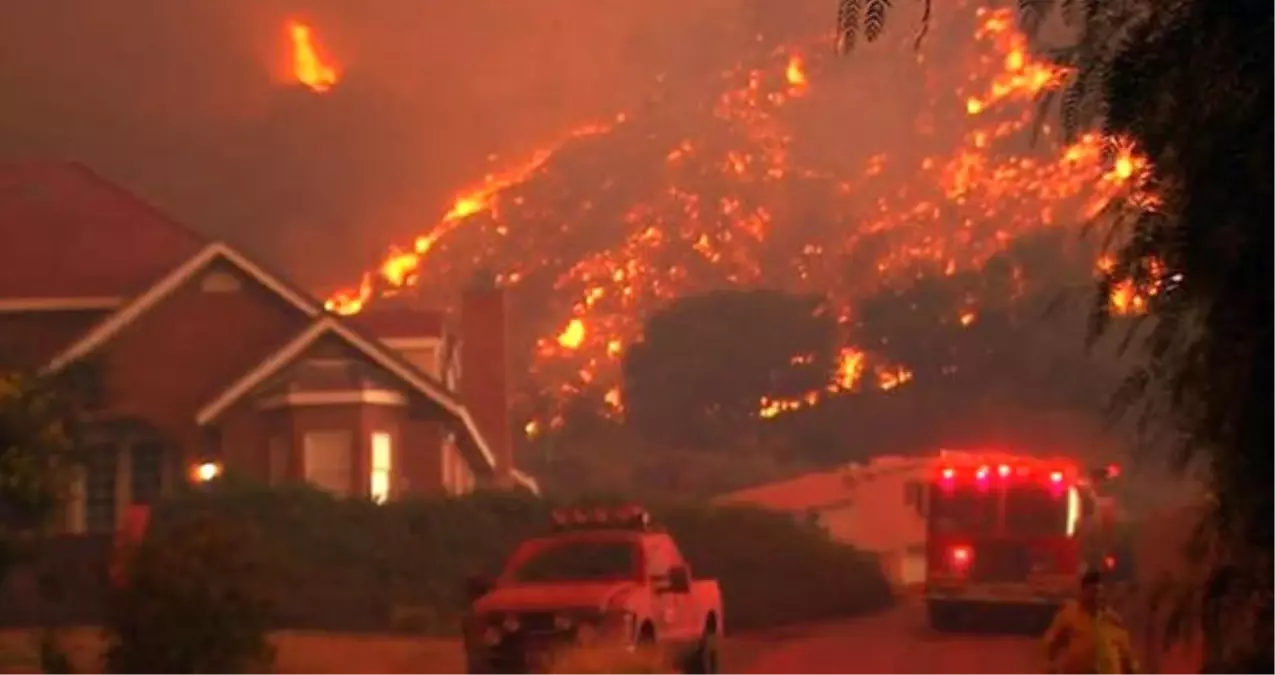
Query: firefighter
x,y
1087,636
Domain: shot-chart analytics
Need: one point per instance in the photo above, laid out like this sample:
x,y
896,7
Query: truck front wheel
x,y
704,658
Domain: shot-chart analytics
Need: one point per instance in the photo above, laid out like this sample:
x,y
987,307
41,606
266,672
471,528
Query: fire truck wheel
x,y
944,616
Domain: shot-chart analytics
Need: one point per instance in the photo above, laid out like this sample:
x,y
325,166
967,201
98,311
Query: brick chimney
x,y
484,375
416,334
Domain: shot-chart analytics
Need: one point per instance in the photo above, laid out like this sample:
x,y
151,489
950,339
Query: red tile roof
x,y
822,488
385,323
68,233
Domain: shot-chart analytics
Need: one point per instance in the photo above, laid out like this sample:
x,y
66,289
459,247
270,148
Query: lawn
x,y
300,652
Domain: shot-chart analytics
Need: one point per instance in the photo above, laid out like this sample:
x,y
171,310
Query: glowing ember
x,y
601,242
308,65
795,73
573,336
1021,77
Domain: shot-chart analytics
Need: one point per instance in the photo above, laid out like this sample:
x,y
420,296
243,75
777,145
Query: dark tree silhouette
x,y
1193,86
1190,81
706,361
1016,325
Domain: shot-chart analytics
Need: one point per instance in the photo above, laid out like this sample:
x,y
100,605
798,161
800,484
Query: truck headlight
x,y
511,624
563,622
492,636
619,622
586,634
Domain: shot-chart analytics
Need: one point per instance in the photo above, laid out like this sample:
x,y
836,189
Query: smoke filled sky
x,y
191,104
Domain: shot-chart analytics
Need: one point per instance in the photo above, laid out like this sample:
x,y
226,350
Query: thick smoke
x,y
189,103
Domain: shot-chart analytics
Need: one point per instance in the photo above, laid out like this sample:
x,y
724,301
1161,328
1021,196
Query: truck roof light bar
x,y
627,517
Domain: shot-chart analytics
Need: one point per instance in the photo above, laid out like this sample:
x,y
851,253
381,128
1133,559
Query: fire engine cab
x,y
1010,532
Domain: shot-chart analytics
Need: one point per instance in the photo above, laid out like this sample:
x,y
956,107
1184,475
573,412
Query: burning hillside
x,y
617,217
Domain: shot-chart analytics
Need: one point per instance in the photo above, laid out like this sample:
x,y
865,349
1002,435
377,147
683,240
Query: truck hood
x,y
530,597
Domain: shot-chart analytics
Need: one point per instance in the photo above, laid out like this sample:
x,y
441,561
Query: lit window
x,y
445,475
382,465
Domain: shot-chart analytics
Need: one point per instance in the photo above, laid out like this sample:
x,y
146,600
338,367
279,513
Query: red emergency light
x,y
960,557
624,517
1005,471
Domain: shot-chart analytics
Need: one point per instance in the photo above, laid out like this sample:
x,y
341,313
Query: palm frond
x,y
847,25
926,10
1070,106
874,19
1067,9
1032,13
1043,105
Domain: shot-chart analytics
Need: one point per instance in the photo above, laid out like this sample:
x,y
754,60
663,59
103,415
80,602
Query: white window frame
x,y
381,466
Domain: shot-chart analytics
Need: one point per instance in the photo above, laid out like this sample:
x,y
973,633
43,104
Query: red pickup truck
x,y
603,577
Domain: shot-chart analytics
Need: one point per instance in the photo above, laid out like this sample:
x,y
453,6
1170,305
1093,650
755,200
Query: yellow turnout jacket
x,y
1080,642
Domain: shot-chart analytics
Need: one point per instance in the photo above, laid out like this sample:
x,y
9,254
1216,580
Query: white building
x,y
877,507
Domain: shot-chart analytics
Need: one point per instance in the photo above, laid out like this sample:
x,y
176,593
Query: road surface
x,y
896,641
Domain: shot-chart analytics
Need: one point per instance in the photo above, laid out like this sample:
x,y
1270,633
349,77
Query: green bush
x,y
774,569
196,600
354,565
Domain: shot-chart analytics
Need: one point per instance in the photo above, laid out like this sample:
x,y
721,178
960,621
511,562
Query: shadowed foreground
x,y
895,641
898,641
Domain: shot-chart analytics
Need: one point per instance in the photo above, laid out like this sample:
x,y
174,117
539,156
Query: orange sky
x,y
190,99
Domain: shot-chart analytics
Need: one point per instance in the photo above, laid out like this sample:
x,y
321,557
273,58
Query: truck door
x,y
673,613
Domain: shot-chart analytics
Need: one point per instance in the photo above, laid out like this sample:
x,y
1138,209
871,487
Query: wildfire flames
x,y
616,218
308,65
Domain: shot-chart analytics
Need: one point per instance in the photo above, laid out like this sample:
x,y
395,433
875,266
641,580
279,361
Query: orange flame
x,y
795,74
401,268
308,65
948,211
1020,77
573,335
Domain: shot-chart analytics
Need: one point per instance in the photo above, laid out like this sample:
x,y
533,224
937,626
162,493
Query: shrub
x,y
195,600
774,569
354,565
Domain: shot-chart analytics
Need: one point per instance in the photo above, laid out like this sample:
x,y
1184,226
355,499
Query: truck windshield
x,y
576,560
962,510
1035,510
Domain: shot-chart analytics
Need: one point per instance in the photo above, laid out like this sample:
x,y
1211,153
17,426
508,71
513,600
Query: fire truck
x,y
1010,535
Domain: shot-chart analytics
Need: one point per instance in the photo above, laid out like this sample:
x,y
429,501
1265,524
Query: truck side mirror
x,y
679,579
477,585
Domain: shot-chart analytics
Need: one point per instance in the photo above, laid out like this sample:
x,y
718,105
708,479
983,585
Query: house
x,y
876,507
204,360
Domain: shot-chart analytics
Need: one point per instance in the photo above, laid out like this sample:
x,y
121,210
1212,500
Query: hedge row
x,y
353,565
